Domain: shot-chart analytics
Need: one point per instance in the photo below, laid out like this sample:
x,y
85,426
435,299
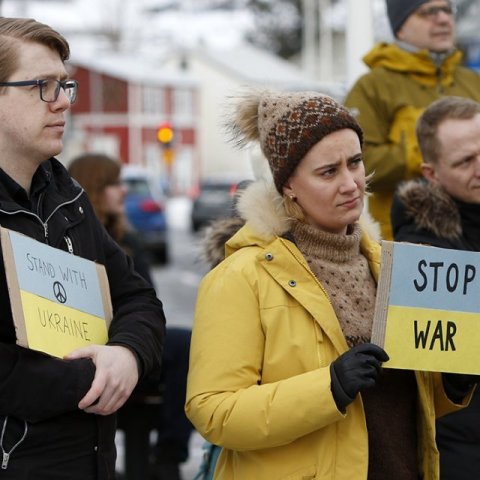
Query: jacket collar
x,y
419,64
261,206
430,208
16,192
267,223
51,176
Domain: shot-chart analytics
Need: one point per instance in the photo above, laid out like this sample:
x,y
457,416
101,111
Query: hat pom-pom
x,y
242,123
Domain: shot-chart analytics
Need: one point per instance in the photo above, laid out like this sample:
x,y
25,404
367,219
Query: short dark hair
x,y
447,108
14,31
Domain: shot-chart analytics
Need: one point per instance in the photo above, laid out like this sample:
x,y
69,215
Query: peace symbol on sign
x,y
59,292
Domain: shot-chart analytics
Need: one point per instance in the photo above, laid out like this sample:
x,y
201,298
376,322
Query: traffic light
x,y
165,133
165,137
168,156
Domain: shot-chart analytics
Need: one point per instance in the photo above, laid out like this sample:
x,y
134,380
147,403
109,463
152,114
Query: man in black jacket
x,y
443,210
56,415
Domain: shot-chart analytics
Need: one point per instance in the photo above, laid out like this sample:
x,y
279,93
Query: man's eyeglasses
x,y
431,13
49,89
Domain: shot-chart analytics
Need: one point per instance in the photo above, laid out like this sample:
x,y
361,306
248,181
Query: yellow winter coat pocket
x,y
403,132
306,473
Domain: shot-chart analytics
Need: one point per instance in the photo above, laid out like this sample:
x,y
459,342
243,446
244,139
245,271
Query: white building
x,y
223,73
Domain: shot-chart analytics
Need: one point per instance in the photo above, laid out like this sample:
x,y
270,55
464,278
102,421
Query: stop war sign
x,y
427,312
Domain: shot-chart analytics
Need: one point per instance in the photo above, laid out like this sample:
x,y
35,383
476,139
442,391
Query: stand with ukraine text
x,y
60,302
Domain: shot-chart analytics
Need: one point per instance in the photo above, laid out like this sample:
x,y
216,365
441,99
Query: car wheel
x,y
161,256
196,225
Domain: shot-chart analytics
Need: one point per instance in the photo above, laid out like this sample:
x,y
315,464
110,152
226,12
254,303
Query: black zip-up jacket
x,y
44,391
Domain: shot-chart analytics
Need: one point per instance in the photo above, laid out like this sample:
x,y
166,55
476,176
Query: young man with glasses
x,y
421,66
57,415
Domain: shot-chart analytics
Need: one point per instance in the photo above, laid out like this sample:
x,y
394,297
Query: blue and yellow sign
x,y
60,302
427,314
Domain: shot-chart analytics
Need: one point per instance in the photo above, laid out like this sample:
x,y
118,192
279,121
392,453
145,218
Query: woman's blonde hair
x,y
292,208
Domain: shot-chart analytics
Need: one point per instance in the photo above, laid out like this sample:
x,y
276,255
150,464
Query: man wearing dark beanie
x,y
399,10
421,66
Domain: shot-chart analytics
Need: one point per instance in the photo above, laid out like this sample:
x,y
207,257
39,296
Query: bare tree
x,y
278,25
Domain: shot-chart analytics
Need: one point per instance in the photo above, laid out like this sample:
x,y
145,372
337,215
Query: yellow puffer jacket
x,y
388,101
264,336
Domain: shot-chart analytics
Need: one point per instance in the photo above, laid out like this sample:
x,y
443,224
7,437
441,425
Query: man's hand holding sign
x,y
112,384
61,306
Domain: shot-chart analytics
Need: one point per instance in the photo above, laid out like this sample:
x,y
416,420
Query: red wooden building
x,y
122,101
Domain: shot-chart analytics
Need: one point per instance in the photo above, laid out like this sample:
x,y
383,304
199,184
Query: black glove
x,y
355,370
457,385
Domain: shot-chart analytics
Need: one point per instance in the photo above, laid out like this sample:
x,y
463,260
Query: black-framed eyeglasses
x,y
49,89
431,13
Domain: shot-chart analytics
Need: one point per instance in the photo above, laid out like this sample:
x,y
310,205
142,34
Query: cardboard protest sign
x,y
427,312
59,301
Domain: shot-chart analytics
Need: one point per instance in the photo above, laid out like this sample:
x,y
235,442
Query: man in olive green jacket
x,y
405,77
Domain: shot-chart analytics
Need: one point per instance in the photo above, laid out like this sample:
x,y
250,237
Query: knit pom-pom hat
x,y
288,125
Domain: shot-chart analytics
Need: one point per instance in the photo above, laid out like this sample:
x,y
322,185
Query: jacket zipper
x,y
438,74
301,261
69,243
6,455
45,223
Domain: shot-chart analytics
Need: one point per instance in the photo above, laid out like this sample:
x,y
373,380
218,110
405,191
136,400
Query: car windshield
x,y
217,187
138,186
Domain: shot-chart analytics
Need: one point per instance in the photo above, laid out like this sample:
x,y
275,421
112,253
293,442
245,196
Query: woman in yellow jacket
x,y
282,374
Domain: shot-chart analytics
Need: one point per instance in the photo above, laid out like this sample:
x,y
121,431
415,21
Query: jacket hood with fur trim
x,y
261,207
421,205
215,237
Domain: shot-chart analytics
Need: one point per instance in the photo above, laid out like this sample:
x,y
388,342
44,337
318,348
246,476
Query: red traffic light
x,y
165,133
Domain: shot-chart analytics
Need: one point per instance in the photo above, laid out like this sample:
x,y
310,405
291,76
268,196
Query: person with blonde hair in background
x,y
283,376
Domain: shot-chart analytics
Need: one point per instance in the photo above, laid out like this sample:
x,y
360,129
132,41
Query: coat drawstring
x,y
6,455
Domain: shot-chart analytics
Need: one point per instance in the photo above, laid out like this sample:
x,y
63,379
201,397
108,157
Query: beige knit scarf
x,y
344,272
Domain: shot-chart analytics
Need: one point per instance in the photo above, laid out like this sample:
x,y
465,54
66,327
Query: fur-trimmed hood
x,y
260,204
261,207
425,206
215,237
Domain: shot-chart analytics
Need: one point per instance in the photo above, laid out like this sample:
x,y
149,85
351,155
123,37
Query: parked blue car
x,y
146,213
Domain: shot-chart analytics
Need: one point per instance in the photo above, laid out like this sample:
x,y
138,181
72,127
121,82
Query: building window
x,y
153,100
183,102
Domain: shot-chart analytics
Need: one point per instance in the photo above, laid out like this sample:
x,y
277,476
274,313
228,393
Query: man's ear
x,y
399,35
428,171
